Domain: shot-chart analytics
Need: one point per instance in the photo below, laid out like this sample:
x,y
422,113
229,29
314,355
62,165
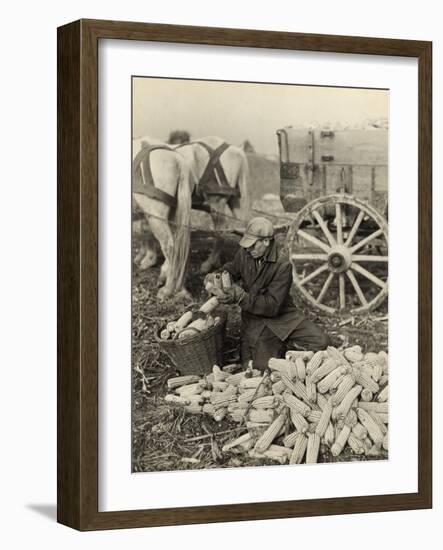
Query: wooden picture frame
x,y
78,273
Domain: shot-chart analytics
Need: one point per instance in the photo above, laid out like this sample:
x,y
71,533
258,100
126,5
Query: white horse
x,y
234,165
169,223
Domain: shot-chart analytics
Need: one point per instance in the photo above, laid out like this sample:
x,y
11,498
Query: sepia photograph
x,y
259,274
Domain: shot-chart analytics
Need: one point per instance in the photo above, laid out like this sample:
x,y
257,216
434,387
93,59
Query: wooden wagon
x,y
337,184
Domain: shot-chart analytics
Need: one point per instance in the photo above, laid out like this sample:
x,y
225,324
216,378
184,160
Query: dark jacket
x,y
267,302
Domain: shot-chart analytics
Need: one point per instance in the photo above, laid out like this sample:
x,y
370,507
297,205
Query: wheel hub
x,y
339,259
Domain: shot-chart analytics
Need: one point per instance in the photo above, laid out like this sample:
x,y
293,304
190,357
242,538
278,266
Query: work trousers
x,y
307,337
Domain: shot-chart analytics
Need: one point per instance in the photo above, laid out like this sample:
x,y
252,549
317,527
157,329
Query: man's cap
x,y
257,228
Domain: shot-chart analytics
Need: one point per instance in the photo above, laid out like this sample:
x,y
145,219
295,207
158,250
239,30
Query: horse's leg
x,y
148,252
218,206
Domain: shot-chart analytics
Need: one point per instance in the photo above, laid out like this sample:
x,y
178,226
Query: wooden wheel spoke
x,y
341,284
339,222
324,227
368,275
314,274
310,257
369,258
313,240
325,288
355,227
357,288
366,240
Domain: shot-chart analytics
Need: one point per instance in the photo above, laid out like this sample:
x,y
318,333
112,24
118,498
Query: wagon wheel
x,y
339,245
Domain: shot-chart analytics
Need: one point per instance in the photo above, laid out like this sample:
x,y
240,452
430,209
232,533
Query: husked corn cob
x,y
356,349
236,405
178,381
333,389
352,355
311,390
193,408
299,421
339,358
384,417
386,442
360,431
249,383
314,416
220,413
324,420
237,415
299,449
367,443
372,356
300,368
296,404
321,400
383,380
271,433
223,397
171,398
347,402
376,417
278,387
280,365
328,366
383,395
274,452
377,372
261,415
341,440
374,406
329,436
246,396
312,448
190,389
351,419
219,386
230,369
369,423
266,402
327,382
344,388
366,395
383,358
315,362
289,440
365,381
219,375
208,408
356,444
374,450
366,365
238,441
234,379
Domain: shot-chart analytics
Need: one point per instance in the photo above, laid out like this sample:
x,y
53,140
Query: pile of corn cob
x,y
191,323
309,403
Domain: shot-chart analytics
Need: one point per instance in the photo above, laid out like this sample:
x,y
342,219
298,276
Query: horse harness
x,y
212,182
143,180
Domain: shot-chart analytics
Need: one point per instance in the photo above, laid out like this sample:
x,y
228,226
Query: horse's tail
x,y
241,205
182,220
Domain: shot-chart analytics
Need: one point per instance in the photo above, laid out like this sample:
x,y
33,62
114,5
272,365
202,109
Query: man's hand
x,y
231,295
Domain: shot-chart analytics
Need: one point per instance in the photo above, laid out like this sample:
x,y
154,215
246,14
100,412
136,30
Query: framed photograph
x,y
230,204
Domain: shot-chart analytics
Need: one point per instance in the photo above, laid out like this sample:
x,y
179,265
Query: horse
x,y
162,190
220,172
217,182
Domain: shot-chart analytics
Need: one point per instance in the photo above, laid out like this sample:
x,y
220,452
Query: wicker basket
x,y
197,354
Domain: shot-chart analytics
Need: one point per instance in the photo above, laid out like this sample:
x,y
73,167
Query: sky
x,y
237,111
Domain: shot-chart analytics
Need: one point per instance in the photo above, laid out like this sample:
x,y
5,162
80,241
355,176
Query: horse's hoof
x,y
163,294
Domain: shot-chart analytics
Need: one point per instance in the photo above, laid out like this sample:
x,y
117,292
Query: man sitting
x,y
271,324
